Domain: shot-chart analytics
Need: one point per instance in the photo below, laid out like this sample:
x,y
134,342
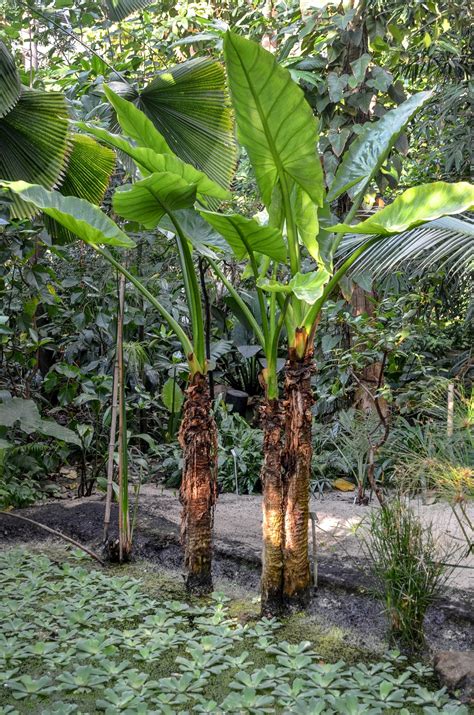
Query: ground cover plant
x,y
236,249
79,640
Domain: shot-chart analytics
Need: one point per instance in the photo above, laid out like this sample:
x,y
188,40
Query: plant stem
x,y
56,533
113,429
174,325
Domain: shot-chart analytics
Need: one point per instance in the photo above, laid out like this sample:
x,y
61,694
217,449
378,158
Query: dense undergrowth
x,y
79,640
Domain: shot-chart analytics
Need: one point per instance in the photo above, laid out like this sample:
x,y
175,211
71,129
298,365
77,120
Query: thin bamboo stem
x,y
124,523
113,431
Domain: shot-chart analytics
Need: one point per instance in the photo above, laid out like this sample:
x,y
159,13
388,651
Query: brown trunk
x,y
371,376
272,421
297,464
198,493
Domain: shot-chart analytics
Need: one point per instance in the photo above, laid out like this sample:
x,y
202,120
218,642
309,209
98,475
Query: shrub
x,y
410,568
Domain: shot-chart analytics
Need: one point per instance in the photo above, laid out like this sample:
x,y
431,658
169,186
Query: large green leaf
x,y
34,142
305,286
150,162
135,124
309,286
275,123
367,153
189,105
172,395
25,414
88,172
445,242
415,207
10,86
148,200
79,216
307,221
243,234
199,232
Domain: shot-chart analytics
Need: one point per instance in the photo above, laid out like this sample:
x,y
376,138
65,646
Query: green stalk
x,y
313,313
256,275
350,215
293,247
192,292
174,325
124,525
272,353
191,289
242,304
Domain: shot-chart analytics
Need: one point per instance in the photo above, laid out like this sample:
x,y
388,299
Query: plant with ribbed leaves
x,y
189,105
37,146
277,128
169,186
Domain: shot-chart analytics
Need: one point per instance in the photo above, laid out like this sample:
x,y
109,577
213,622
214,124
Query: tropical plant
x,y
148,200
410,568
280,138
37,145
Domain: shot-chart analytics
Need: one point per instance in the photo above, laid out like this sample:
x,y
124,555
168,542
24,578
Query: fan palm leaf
x,y
189,105
87,176
34,142
118,10
10,86
36,146
446,242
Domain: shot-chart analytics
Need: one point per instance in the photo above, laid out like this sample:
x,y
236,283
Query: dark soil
x,y
343,599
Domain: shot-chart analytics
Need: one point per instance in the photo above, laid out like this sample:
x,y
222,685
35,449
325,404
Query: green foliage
x,y
87,176
410,568
25,414
34,143
240,450
118,650
188,105
10,86
79,216
246,235
368,152
415,207
275,124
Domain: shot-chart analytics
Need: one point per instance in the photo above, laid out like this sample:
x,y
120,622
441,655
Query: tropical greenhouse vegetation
x,y
236,444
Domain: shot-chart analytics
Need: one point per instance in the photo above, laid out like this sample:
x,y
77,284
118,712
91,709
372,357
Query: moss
x,y
331,644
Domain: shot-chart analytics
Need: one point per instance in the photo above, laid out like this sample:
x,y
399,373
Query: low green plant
x,y
240,450
198,658
410,568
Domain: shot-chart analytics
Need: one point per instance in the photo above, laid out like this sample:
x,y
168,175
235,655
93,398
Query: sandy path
x,y
239,519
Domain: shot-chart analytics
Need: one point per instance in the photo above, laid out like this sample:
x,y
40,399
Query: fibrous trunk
x,y
198,439
272,422
297,466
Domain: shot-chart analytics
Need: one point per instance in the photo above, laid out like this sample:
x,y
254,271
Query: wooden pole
x,y
113,430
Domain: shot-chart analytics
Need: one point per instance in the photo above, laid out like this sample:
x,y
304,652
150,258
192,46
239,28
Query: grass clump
x,y
410,567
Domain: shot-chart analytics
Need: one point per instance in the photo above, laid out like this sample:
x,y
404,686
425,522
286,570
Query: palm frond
x,y
10,86
88,172
117,10
189,104
34,143
446,243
